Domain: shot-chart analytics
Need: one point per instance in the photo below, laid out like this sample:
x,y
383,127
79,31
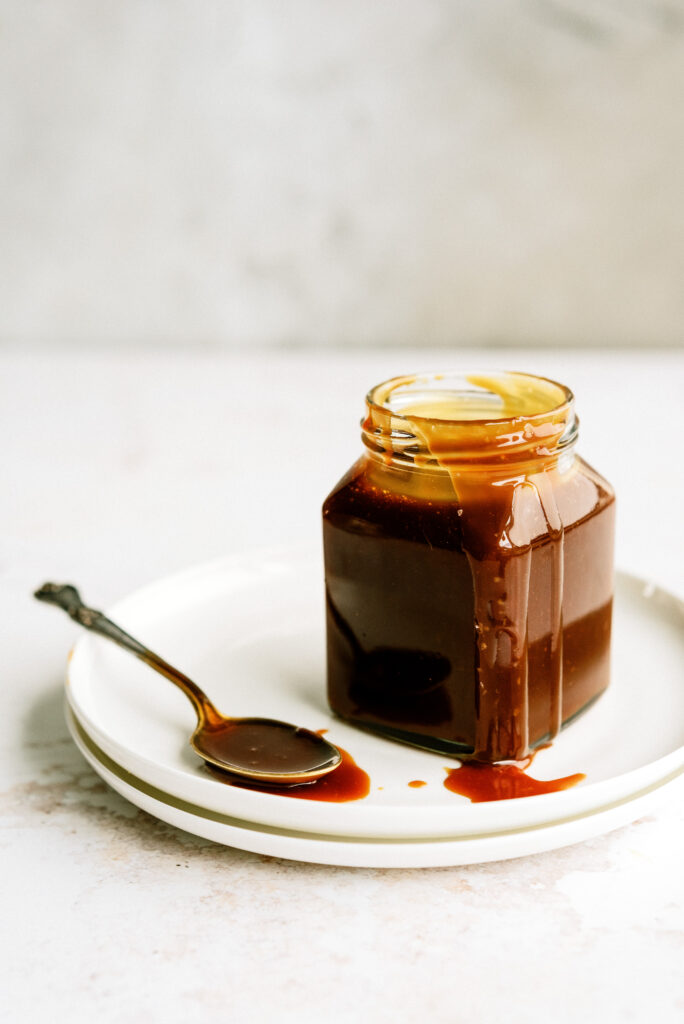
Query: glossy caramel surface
x,y
482,783
345,783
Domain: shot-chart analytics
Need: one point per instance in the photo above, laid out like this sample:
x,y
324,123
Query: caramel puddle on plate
x,y
481,783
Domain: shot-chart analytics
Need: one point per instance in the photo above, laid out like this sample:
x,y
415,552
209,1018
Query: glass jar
x,y
469,567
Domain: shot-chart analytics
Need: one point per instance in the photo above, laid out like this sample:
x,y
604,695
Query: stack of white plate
x,y
250,631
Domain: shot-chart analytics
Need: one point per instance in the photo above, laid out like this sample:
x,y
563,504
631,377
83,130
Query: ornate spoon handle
x,y
67,597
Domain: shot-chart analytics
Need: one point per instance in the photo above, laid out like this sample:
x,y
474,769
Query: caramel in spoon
x,y
261,750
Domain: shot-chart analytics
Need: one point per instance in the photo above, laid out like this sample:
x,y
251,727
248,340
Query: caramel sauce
x,y
417,783
345,783
469,570
264,746
481,782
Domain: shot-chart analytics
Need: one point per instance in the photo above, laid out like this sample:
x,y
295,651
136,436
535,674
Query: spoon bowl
x,y
254,750
266,750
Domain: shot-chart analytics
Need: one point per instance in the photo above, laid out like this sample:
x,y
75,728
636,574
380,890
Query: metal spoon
x,y
260,750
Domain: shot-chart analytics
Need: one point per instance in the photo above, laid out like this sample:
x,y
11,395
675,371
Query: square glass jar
x,y
469,567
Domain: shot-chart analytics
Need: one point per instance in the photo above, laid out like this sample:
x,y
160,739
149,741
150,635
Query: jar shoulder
x,y
456,512
581,493
369,483
344,486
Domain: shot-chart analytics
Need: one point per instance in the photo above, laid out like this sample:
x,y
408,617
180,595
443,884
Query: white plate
x,y
250,630
354,851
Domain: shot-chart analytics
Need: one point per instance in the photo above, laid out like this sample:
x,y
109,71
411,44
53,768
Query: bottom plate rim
x,y
100,760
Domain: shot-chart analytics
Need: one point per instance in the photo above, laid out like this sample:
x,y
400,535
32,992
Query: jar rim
x,y
394,383
495,415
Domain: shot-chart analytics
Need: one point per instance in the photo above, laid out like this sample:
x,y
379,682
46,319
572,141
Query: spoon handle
x,y
67,597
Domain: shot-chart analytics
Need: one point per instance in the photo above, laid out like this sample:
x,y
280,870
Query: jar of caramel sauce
x,y
469,567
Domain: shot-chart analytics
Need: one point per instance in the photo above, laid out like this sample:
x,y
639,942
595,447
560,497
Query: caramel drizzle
x,y
501,581
501,588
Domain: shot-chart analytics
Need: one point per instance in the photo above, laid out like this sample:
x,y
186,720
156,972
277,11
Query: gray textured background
x,y
249,172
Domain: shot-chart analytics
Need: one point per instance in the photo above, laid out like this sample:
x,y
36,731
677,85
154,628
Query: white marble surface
x,y
121,467
400,171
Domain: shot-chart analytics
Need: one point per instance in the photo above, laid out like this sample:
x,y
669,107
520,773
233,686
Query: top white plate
x,y
250,630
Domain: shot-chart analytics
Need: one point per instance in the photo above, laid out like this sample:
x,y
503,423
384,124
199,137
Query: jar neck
x,y
470,422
